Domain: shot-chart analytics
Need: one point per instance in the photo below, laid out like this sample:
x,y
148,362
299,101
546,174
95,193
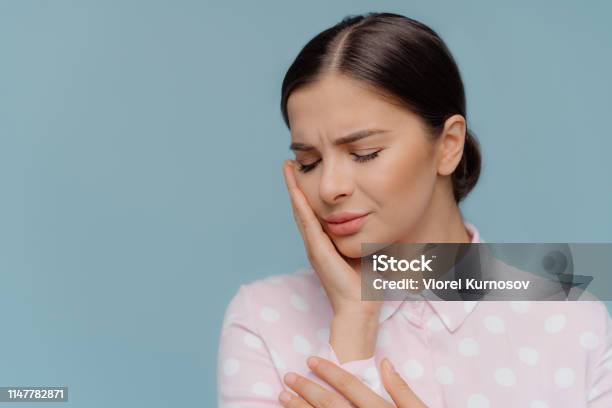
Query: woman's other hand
x,y
349,387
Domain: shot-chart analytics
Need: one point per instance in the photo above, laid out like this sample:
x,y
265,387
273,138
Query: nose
x,y
336,182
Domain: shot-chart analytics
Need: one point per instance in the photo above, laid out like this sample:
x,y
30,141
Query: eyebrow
x,y
351,137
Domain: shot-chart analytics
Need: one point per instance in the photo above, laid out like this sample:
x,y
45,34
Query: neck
x,y
441,223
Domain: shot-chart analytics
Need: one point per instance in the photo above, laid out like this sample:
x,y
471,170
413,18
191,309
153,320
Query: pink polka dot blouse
x,y
452,354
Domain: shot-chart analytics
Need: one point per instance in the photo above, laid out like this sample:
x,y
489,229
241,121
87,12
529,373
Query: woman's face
x,y
394,182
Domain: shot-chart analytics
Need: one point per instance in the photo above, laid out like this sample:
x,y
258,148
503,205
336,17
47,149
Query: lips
x,y
345,223
344,216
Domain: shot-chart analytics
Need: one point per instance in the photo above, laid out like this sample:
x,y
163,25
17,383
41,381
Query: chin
x,y
349,246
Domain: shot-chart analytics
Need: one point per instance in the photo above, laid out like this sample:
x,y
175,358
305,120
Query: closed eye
x,y
365,157
305,168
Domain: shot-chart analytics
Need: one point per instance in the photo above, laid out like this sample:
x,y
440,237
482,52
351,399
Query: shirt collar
x,y
451,313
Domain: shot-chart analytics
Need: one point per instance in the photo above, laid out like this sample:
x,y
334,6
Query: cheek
x,y
403,183
310,189
406,168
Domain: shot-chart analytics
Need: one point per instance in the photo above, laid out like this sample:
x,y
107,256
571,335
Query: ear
x,y
450,144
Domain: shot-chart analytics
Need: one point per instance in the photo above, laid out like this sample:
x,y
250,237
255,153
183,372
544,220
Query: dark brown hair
x,y
402,59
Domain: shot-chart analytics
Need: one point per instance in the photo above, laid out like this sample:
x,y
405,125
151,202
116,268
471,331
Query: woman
x,y
376,110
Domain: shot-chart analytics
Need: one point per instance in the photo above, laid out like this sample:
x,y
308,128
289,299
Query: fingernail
x,y
284,396
388,366
290,378
312,362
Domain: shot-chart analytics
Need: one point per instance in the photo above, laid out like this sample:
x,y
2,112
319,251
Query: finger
x,y
397,388
291,186
313,393
346,383
316,240
289,400
303,210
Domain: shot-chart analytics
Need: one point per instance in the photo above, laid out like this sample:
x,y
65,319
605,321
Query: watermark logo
x,y
486,271
383,263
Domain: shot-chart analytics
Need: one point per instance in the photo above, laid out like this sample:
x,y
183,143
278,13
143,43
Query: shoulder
x,y
282,297
586,313
302,282
582,326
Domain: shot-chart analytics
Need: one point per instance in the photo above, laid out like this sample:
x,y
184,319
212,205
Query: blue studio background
x,y
141,145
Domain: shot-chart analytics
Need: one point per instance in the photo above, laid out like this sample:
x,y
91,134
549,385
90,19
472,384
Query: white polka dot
x,y
505,377
434,323
589,340
528,355
301,345
385,312
323,335
564,377
384,338
520,306
413,369
252,341
299,303
494,324
278,362
478,401
469,305
538,404
268,314
371,373
371,377
231,366
555,323
469,347
262,389
445,376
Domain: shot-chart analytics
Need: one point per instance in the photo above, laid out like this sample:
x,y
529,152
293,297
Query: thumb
x,y
397,388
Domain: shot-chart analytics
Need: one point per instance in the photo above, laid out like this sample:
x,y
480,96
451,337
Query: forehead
x,y
335,103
